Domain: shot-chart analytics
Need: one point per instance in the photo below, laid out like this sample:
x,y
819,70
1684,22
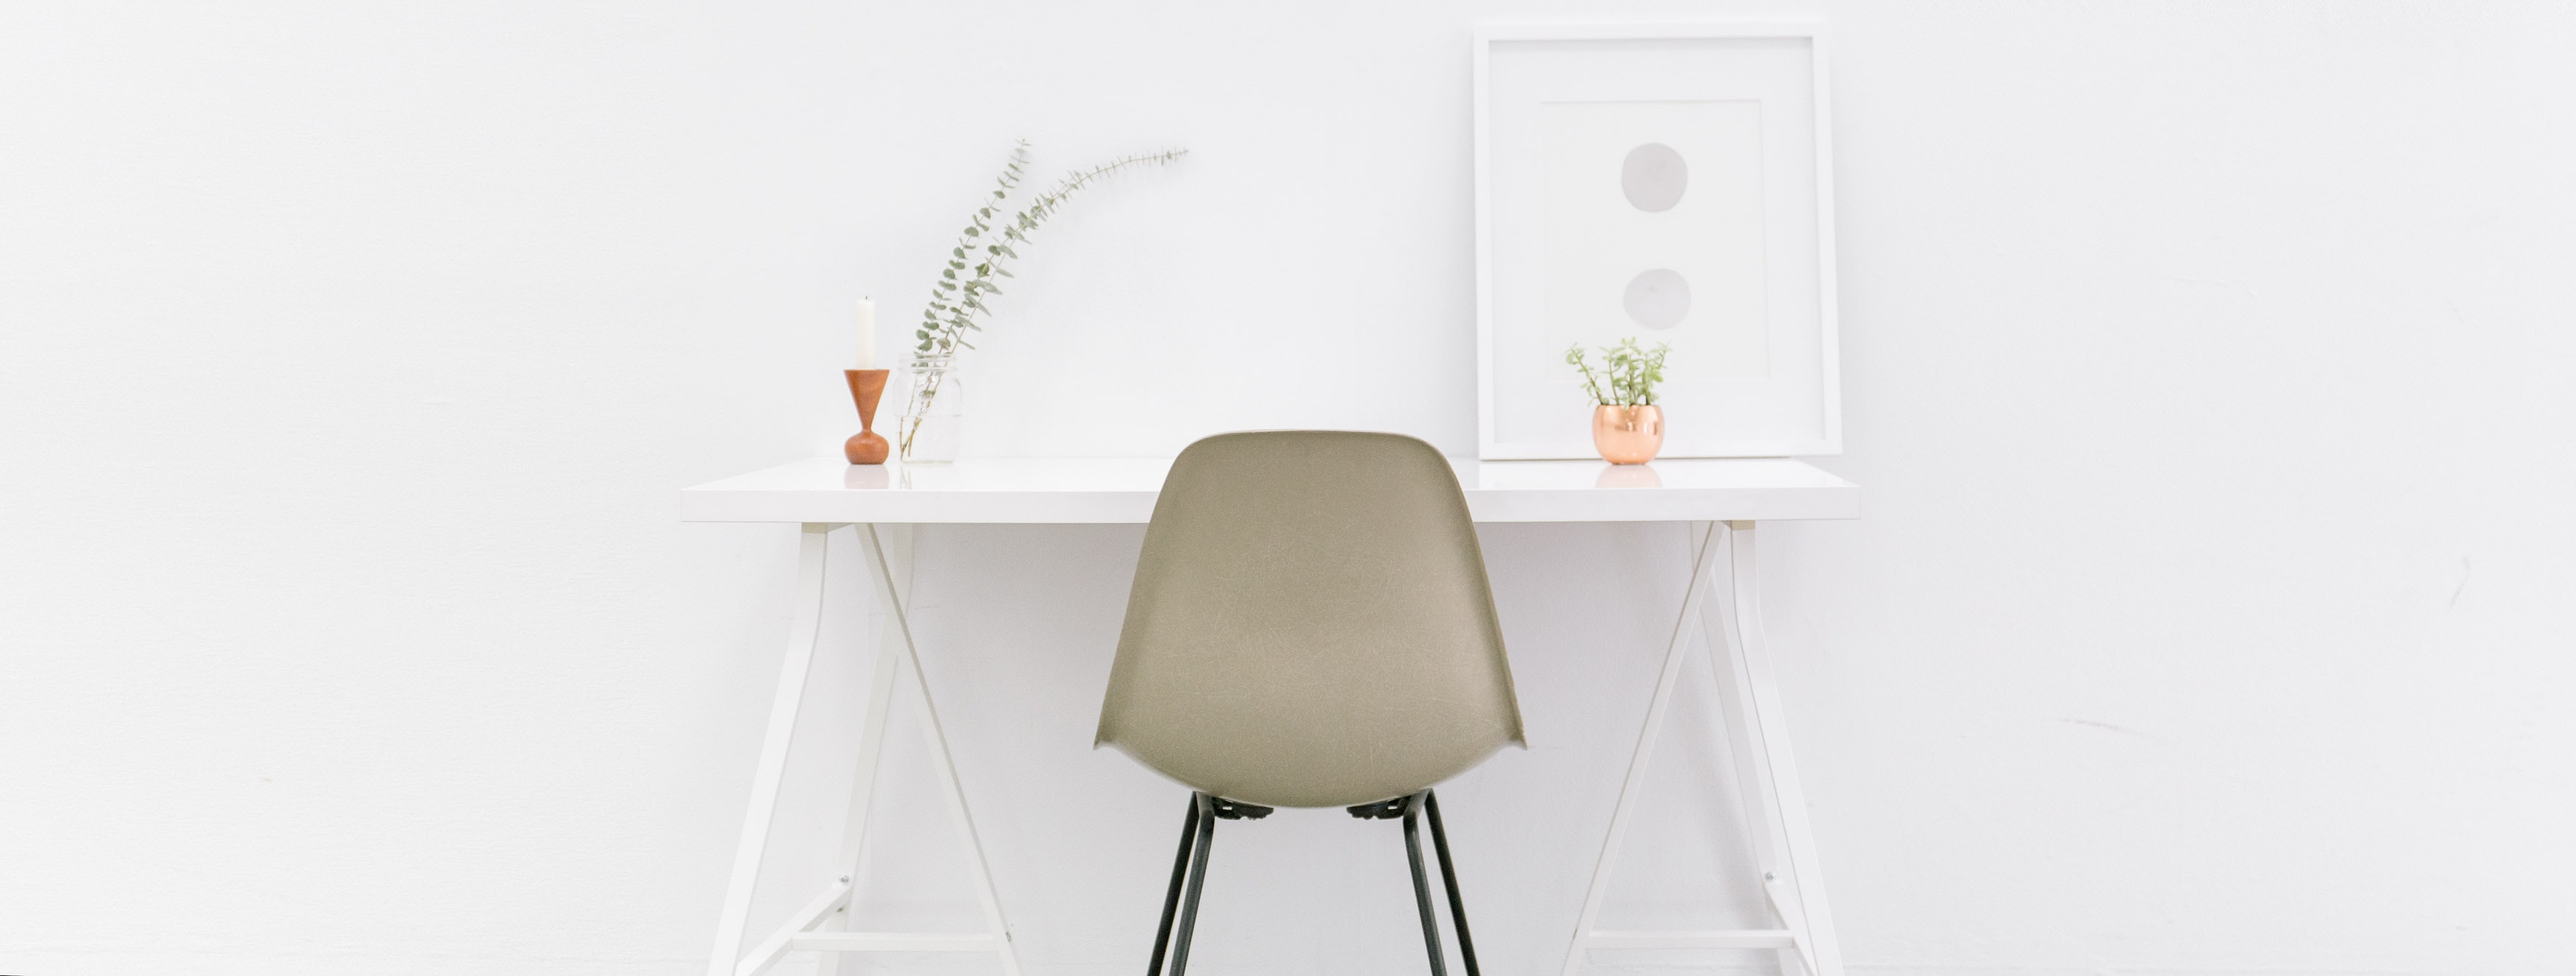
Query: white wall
x,y
2206,365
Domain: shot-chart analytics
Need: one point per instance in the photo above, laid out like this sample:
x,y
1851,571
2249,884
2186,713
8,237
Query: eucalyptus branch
x,y
954,301
957,302
980,256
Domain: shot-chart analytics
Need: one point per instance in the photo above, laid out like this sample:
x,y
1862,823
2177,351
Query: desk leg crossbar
x,y
1774,805
822,923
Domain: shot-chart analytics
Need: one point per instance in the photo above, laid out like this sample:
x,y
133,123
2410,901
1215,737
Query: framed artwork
x,y
1670,183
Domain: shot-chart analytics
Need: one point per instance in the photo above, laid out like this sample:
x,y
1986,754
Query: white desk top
x,y
1066,490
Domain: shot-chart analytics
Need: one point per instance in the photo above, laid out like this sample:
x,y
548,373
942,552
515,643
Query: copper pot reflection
x,y
1627,435
1627,476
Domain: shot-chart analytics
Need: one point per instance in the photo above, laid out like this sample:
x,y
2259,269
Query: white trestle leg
x,y
1760,728
824,924
772,770
1775,809
895,542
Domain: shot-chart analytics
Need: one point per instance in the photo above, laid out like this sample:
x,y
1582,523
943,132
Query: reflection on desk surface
x,y
1123,490
1146,474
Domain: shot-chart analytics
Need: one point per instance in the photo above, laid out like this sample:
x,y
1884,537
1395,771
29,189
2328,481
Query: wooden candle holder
x,y
867,386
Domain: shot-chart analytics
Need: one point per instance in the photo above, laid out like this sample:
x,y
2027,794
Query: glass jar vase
x,y
934,410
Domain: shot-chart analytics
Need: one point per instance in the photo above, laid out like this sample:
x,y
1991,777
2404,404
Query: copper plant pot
x,y
1627,435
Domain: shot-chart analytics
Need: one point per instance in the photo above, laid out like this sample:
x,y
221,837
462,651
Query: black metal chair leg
x,y
1180,872
1200,805
1449,874
1421,884
1198,836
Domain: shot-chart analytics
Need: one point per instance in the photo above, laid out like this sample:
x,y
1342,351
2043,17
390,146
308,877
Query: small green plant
x,y
957,298
1628,373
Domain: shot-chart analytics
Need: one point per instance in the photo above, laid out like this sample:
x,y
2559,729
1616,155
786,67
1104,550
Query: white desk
x,y
1723,499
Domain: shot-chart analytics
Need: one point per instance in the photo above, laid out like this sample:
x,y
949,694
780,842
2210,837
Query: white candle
x,y
867,334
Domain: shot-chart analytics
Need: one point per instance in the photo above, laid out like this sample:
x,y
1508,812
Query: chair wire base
x,y
1198,833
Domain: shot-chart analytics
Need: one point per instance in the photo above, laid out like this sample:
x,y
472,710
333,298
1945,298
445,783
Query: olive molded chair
x,y
1310,627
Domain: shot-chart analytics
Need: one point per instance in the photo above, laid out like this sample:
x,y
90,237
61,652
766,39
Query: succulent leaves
x,y
1629,372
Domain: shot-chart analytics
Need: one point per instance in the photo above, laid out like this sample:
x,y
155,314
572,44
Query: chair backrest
x,y
1310,624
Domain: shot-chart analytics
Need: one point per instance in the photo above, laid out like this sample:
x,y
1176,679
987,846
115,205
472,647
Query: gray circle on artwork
x,y
1658,299
1654,177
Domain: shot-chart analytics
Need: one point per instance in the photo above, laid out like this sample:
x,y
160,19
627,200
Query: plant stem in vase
x,y
933,411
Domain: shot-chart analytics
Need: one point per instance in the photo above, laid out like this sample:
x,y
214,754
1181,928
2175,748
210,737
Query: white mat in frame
x,y
1670,182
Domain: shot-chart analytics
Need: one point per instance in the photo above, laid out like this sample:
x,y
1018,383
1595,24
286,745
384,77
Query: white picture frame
x,y
1550,99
